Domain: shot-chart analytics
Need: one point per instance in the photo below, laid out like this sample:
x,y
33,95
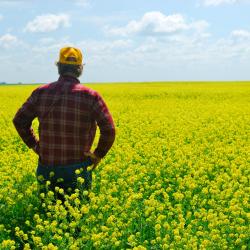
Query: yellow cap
x,y
70,55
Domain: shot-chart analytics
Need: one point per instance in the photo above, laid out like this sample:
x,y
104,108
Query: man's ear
x,y
81,69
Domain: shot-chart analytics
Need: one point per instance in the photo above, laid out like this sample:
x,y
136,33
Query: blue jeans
x,y
64,177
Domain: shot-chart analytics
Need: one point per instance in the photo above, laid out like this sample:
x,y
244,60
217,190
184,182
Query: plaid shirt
x,y
68,115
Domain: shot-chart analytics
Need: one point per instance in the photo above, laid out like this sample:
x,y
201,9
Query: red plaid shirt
x,y
68,115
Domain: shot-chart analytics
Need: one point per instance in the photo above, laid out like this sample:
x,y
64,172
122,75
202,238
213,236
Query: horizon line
x,y
127,82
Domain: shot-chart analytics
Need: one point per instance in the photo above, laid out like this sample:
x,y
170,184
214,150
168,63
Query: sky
x,y
126,41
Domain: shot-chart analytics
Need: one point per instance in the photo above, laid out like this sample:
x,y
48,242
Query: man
x,y
68,115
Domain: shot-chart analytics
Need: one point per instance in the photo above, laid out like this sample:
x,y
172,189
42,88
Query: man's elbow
x,y
15,121
18,122
113,132
112,137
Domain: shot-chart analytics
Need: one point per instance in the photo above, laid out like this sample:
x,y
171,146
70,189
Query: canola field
x,y
177,176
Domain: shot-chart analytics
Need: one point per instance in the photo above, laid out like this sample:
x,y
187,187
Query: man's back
x,y
67,112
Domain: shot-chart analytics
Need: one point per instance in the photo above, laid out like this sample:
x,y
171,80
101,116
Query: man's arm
x,y
106,125
23,120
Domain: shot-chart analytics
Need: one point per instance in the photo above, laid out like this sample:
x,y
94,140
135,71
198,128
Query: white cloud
x,y
241,34
164,57
1,17
150,58
48,22
97,48
199,25
93,47
50,45
100,51
155,22
8,40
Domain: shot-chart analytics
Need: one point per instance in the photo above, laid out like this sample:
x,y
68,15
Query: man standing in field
x,y
68,115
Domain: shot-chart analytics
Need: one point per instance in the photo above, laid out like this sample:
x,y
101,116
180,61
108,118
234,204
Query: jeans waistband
x,y
85,163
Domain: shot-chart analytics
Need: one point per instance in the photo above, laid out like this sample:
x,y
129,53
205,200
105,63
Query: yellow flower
x,y
80,180
117,243
84,209
37,240
178,196
104,228
51,174
8,243
25,236
77,171
139,248
52,247
157,227
132,240
42,195
40,178
60,180
85,192
77,201
61,191
27,246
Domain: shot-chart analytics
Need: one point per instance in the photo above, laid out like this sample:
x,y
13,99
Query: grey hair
x,y
69,69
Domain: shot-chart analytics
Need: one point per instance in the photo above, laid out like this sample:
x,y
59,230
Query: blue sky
x,y
160,40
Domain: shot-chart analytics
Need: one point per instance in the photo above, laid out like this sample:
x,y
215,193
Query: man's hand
x,y
95,159
36,149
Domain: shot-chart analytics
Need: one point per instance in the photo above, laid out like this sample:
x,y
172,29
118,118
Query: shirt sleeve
x,y
106,125
23,120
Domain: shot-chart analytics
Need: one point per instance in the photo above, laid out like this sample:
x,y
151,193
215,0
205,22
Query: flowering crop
x,y
177,176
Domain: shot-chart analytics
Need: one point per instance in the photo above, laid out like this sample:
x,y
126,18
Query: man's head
x,y
70,62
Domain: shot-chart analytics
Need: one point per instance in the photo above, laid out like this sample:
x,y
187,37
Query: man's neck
x,y
71,77
70,74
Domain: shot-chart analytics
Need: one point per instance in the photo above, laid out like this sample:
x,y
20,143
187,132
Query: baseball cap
x,y
70,55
